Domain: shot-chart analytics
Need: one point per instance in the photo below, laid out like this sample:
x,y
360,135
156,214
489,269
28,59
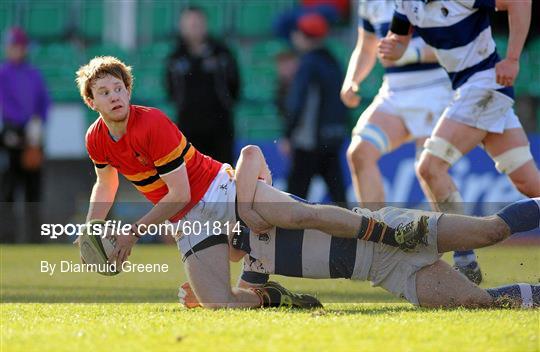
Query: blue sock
x,y
517,295
521,216
463,258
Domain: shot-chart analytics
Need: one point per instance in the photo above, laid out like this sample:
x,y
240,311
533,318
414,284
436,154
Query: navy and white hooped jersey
x,y
317,255
305,253
375,16
459,31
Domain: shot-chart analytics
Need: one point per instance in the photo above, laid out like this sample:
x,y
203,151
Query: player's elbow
x,y
108,186
184,198
180,197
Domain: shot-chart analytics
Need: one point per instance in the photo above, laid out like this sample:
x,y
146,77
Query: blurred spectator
x,y
202,80
286,22
286,66
342,6
316,124
23,109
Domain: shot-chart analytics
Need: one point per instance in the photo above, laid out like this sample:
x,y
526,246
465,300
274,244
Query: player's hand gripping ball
x,y
96,243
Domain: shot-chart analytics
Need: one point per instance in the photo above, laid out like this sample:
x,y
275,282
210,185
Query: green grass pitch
x,y
137,312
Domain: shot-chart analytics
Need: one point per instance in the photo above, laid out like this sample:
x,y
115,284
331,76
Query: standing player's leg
x,y
303,167
511,153
376,134
222,143
330,169
450,140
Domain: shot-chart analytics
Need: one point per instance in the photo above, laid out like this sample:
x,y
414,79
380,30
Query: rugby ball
x,y
95,248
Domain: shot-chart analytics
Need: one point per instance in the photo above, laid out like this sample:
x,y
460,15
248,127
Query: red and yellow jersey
x,y
152,146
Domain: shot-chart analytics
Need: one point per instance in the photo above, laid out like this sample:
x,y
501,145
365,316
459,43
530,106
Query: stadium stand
x,y
532,69
91,23
158,18
46,19
6,14
58,62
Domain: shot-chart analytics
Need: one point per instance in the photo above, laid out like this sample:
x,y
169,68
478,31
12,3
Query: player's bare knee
x,y
430,168
351,153
250,150
361,155
528,187
437,157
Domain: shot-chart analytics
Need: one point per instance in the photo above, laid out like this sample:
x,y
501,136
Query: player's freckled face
x,y
111,98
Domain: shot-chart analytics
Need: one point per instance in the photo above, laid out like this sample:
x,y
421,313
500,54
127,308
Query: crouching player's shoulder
x,y
150,117
151,130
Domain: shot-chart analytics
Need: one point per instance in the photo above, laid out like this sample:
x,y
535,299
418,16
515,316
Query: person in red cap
x,y
316,119
24,103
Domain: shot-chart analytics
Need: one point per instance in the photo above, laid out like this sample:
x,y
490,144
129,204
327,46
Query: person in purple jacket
x,y
24,103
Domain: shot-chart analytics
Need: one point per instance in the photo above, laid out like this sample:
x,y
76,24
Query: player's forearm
x,y
428,55
415,54
393,46
403,43
519,21
166,208
360,66
363,58
101,200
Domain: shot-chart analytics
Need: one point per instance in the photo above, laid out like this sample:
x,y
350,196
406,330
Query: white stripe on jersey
x,y
432,14
315,254
379,14
458,59
376,12
416,80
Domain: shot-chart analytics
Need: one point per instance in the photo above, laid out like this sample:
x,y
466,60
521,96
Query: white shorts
x,y
395,270
477,103
418,105
214,214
